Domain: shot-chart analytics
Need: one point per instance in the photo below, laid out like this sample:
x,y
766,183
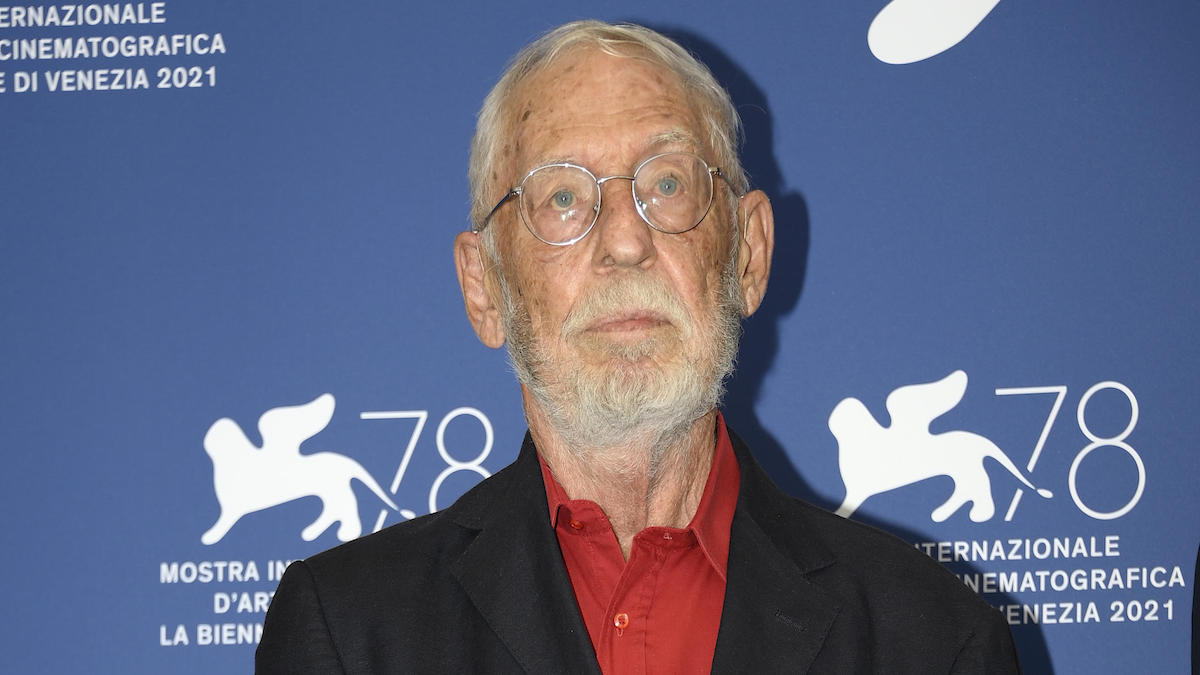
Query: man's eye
x,y
563,199
668,186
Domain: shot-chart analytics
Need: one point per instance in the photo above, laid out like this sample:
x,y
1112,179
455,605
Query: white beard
x,y
649,392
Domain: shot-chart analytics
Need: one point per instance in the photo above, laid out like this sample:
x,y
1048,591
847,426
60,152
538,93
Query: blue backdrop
x,y
270,220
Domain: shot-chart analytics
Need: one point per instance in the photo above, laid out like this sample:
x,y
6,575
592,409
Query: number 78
x,y
1116,441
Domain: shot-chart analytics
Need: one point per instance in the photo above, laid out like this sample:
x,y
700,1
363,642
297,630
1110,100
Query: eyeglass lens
x,y
672,192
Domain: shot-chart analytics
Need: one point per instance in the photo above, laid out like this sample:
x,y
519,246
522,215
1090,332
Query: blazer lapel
x,y
514,574
774,619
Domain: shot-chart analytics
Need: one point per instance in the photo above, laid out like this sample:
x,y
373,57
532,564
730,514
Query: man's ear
x,y
478,289
756,243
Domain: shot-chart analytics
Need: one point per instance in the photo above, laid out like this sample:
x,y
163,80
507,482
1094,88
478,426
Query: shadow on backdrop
x,y
760,341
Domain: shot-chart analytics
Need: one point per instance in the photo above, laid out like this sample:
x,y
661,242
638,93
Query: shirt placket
x,y
626,616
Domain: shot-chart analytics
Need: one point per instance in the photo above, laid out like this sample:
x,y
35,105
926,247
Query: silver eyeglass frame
x,y
517,190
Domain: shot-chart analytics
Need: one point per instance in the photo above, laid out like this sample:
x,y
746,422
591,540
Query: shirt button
x,y
666,535
621,620
576,524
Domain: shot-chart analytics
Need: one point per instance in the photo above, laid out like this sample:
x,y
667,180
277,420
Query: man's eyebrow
x,y
547,161
675,137
554,159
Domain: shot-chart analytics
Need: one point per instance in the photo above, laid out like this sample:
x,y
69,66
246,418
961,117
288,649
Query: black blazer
x,y
480,587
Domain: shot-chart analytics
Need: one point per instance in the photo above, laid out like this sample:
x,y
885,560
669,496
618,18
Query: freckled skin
x,y
602,111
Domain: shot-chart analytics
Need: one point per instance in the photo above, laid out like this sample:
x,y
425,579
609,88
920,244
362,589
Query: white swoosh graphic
x,y
906,31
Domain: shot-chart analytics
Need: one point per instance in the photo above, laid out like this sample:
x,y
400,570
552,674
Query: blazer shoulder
x,y
859,560
917,611
884,573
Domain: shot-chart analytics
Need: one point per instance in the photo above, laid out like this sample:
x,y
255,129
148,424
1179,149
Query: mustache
x,y
641,294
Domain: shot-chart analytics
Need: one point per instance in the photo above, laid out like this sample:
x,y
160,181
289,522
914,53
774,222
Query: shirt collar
x,y
714,515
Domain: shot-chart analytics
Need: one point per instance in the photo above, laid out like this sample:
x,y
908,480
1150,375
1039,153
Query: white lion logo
x,y
874,459
248,479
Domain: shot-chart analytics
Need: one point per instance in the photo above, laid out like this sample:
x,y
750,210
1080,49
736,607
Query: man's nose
x,y
623,239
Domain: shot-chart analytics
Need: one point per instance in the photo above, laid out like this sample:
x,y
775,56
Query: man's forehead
x,y
589,92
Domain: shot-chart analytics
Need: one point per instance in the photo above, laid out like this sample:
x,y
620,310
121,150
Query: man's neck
x,y
634,489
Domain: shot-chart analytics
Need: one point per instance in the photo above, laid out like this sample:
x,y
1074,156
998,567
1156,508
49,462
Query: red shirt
x,y
658,612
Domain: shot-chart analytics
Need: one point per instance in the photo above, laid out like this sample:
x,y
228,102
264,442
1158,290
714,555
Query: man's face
x,y
628,327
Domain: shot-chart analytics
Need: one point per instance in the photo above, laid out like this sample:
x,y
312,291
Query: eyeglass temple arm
x,y
716,171
488,218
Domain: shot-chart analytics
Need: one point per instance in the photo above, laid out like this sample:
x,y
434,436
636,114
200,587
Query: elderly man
x,y
615,250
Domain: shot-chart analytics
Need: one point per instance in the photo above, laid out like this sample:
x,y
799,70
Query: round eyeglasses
x,y
560,202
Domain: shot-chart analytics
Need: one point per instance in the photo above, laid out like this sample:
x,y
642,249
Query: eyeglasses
x,y
560,202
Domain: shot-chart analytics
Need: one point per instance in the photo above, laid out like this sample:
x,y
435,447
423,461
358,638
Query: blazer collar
x,y
514,574
774,619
